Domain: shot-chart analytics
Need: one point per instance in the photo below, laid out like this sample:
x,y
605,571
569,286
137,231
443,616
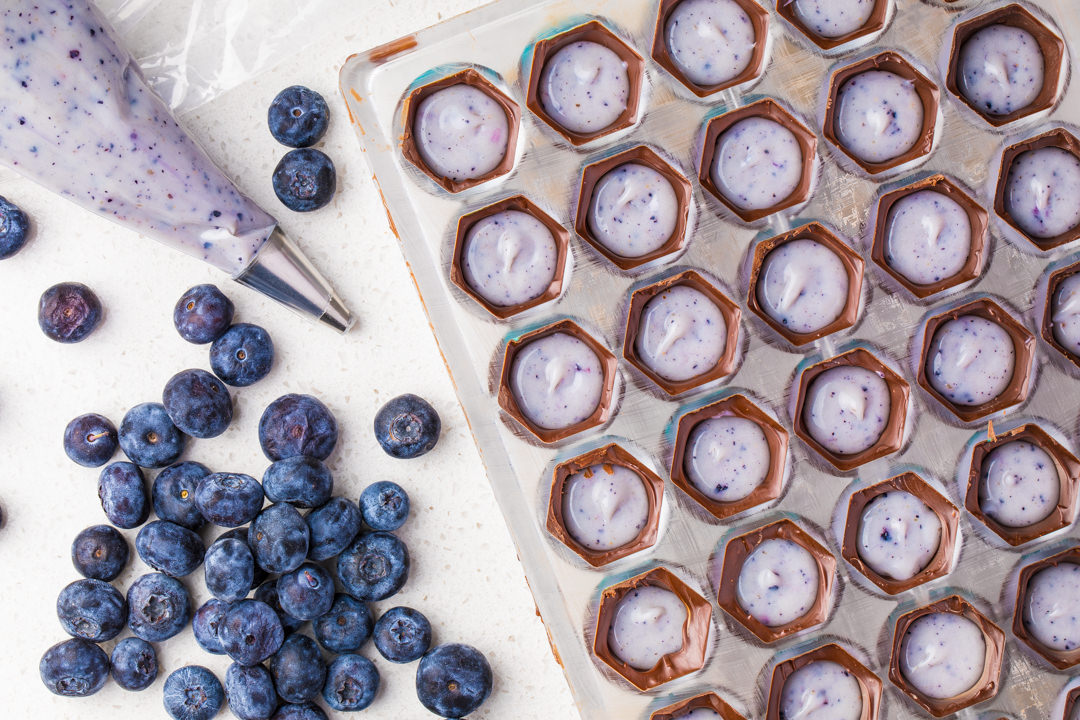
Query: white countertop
x,y
465,575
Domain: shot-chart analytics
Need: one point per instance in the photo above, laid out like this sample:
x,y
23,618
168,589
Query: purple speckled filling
x,y
822,690
970,360
1019,484
879,116
1052,610
1001,69
710,41
778,582
942,655
833,18
585,87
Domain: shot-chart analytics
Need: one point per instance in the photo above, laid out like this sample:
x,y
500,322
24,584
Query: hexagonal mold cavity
x,y
738,549
988,684
927,91
1050,43
476,79
689,659
1068,472
775,435
509,403
869,683
1057,138
1024,356
771,110
728,309
607,456
518,203
853,266
1060,659
759,19
891,438
640,155
940,564
591,31
1072,702
874,24
706,701
1046,326
978,219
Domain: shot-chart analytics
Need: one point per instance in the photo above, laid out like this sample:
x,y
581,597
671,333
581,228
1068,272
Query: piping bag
x,y
77,117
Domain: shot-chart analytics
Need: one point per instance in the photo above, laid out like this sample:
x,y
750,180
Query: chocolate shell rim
x,y
1046,324
874,24
707,700
1060,659
870,685
1058,137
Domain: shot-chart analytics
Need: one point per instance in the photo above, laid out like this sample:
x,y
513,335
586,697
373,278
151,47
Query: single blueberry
x,y
298,117
305,180
134,664
346,627
402,635
297,425
148,436
170,548
202,314
229,569
407,427
251,632
99,552
74,668
159,607
243,355
14,228
332,528
307,592
173,494
351,683
122,492
384,505
241,534
229,499
207,622
267,593
69,312
453,680
90,440
374,567
298,669
306,711
250,691
279,538
301,481
92,610
193,693
198,403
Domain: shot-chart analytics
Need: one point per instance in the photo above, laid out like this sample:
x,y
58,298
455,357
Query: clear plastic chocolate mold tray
x,y
498,42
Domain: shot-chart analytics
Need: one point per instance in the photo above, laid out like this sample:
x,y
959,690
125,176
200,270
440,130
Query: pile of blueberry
x,y
274,568
304,179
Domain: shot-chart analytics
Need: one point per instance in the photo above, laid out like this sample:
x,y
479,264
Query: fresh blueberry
x,y
90,440
202,314
149,438
279,538
174,494
99,552
332,527
207,622
453,680
159,607
250,691
15,226
307,592
243,355
122,491
74,668
229,499
402,635
407,427
306,711
198,403
267,593
170,548
193,693
229,569
346,627
92,610
241,534
134,664
351,683
298,669
69,312
251,632
298,117
384,505
301,481
374,567
305,180
297,425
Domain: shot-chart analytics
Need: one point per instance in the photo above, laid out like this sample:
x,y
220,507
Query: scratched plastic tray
x,y
547,169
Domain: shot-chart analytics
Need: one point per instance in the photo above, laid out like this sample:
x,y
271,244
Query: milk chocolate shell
x,y
736,552
1059,138
732,317
1068,471
942,561
1046,327
1060,659
1072,701
708,701
874,24
989,683
869,683
607,456
476,79
689,659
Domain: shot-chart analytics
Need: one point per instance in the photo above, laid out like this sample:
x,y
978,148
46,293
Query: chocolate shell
x,y
710,701
1060,659
869,683
1059,138
1046,326
874,24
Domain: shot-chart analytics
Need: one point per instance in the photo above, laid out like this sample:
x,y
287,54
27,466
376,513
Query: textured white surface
x,y
465,575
